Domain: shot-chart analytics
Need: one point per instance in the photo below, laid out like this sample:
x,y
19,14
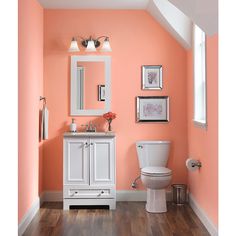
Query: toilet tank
x,y
153,153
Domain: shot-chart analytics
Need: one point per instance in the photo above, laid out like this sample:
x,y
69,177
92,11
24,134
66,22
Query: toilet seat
x,y
156,171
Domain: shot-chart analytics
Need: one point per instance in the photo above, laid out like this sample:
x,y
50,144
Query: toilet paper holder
x,y
193,164
197,163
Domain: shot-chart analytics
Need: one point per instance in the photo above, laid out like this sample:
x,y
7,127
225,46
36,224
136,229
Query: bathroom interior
x,y
112,118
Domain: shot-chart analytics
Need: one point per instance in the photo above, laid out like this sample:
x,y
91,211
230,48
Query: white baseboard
x,y
130,195
211,228
136,195
28,217
121,195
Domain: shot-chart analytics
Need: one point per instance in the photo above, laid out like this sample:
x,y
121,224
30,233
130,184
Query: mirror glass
x,y
90,85
90,78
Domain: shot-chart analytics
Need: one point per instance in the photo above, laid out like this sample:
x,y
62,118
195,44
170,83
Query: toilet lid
x,y
156,171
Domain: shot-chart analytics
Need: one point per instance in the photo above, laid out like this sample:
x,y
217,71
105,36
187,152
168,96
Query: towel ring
x,y
44,100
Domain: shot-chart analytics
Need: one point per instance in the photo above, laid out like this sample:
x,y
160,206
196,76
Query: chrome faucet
x,y
90,127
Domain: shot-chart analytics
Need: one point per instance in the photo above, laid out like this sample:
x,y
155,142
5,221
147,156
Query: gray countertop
x,y
89,134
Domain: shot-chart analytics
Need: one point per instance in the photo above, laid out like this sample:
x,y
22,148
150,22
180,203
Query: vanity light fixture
x,y
90,44
74,46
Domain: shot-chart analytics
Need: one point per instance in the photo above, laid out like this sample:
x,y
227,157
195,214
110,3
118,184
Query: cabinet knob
x,y
100,193
91,143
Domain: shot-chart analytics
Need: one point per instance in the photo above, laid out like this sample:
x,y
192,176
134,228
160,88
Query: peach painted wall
x,y
136,39
30,88
203,143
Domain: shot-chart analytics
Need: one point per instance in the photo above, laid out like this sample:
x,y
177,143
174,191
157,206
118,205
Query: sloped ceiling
x,y
175,15
203,13
173,20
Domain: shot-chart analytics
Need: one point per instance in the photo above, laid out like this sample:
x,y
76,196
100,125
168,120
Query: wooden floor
x,y
129,219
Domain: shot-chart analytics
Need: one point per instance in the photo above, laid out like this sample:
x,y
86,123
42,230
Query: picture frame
x,y
152,109
152,77
101,93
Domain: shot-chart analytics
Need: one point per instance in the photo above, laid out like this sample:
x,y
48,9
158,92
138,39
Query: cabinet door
x,y
76,161
102,156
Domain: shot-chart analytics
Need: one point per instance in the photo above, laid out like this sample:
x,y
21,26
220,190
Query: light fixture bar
x,y
90,44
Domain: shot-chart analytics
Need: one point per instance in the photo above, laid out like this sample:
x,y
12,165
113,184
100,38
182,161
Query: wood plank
x,y
129,219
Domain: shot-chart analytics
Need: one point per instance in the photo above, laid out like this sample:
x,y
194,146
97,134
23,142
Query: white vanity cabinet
x,y
89,169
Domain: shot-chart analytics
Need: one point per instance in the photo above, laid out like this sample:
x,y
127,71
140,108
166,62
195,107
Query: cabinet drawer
x,y
89,193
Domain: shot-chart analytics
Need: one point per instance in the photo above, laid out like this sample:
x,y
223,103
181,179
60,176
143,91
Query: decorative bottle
x,y
73,126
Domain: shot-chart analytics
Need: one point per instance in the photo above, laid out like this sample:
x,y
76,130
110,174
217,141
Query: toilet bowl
x,y
156,179
153,156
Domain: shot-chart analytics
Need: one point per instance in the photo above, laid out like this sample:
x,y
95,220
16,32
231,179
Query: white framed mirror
x,y
90,79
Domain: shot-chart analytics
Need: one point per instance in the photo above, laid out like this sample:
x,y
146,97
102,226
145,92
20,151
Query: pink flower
x,y
109,116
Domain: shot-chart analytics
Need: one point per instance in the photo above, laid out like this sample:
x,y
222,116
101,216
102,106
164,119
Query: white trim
x,y
200,124
121,195
28,217
74,110
94,4
212,229
131,195
136,195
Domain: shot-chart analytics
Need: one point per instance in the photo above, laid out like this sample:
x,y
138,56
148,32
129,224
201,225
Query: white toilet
x,y
153,157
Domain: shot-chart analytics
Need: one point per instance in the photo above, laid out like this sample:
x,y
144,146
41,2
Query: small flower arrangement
x,y
109,116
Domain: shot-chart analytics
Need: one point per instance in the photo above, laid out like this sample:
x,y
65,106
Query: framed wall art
x,y
152,109
152,77
101,93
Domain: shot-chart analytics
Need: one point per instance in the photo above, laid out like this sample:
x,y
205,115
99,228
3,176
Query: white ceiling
x,y
175,15
203,13
94,4
173,20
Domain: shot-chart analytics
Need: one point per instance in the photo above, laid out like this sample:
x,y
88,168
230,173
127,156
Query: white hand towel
x,y
44,123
